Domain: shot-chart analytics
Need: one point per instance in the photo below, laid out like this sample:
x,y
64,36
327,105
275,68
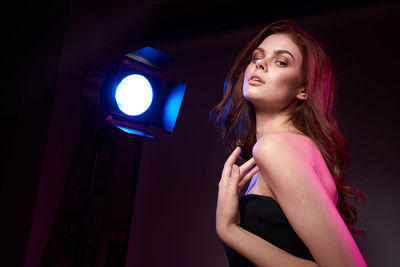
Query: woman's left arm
x,y
305,202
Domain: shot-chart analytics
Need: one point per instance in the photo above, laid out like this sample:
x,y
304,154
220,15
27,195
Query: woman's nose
x,y
260,64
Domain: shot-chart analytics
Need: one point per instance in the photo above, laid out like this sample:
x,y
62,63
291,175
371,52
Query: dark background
x,y
48,48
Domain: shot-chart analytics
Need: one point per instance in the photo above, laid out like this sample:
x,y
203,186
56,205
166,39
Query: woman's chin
x,y
252,96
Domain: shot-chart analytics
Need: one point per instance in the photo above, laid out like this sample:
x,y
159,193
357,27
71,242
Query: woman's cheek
x,y
287,82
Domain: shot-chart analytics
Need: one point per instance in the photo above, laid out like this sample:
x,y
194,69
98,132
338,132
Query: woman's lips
x,y
255,83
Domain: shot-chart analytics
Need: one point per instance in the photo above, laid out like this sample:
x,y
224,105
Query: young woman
x,y
277,115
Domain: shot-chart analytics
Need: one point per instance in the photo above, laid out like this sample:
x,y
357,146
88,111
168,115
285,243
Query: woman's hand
x,y
232,180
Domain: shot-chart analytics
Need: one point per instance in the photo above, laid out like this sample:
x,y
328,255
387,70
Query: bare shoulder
x,y
290,152
285,142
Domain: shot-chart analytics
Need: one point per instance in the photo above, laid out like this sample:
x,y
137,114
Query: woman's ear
x,y
302,94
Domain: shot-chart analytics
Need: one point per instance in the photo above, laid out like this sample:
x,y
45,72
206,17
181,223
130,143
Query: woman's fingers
x,y
248,176
227,170
243,174
235,176
232,158
238,175
247,165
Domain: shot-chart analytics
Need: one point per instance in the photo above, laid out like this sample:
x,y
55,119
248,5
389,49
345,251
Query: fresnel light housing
x,y
133,93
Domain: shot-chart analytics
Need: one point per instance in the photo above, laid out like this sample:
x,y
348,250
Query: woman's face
x,y
273,79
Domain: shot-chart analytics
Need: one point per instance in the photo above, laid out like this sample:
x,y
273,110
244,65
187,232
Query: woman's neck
x,y
268,122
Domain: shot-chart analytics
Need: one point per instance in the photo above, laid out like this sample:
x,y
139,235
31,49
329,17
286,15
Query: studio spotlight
x,y
134,93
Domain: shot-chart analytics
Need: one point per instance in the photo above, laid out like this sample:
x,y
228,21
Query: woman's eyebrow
x,y
279,51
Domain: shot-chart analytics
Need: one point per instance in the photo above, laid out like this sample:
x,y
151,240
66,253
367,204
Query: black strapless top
x,y
262,216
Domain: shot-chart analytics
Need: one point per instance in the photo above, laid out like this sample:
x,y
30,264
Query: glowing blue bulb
x,y
134,95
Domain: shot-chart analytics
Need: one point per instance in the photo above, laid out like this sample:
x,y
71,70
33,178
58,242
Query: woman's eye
x,y
282,63
279,62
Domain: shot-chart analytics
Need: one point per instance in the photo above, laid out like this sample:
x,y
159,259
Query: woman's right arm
x,y
259,251
252,247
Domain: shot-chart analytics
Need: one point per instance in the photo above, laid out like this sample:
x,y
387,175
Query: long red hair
x,y
315,117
